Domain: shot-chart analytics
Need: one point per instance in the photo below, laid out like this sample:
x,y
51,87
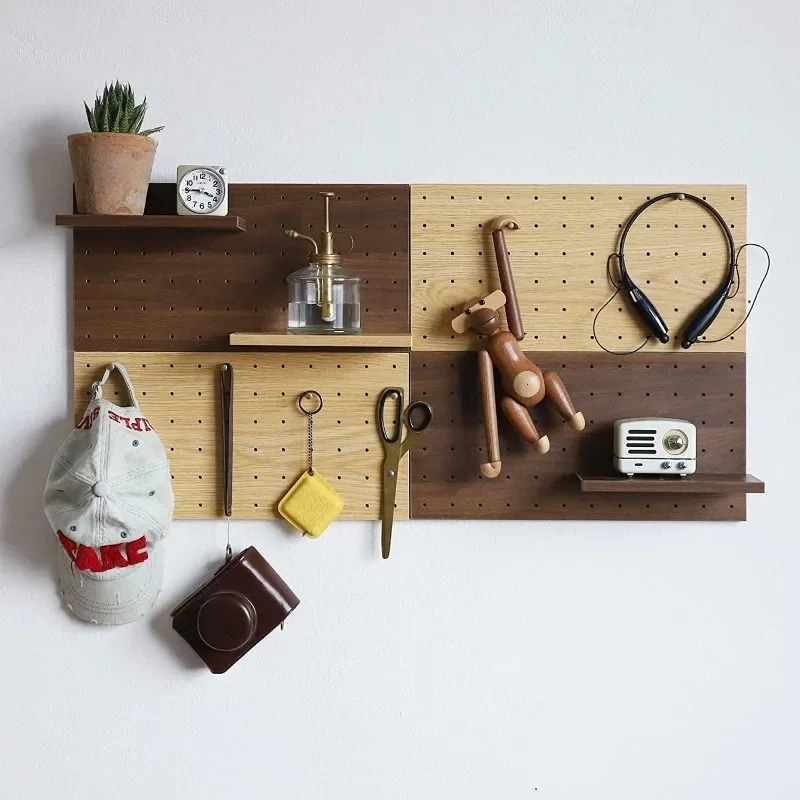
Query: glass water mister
x,y
323,298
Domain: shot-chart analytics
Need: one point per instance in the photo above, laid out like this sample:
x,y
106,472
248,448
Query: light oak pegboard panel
x,y
445,477
675,252
271,440
179,395
166,290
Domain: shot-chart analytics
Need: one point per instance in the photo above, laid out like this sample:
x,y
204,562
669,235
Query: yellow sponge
x,y
311,505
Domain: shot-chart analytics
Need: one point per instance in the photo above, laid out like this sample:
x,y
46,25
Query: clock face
x,y
201,190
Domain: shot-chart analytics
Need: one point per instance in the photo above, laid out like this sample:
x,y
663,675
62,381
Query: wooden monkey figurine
x,y
523,382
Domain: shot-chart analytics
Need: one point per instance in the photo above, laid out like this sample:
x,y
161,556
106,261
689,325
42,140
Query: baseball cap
x,y
109,500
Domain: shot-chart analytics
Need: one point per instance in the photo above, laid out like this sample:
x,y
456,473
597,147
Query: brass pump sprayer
x,y
324,259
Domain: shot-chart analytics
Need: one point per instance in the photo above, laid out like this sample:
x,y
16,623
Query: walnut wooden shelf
x,y
691,484
364,341
151,221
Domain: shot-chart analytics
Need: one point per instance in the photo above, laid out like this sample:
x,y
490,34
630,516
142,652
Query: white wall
x,y
558,661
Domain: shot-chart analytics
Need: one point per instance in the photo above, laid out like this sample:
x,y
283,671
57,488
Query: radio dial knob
x,y
675,441
665,465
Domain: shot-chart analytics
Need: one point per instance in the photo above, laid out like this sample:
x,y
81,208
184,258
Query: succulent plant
x,y
117,112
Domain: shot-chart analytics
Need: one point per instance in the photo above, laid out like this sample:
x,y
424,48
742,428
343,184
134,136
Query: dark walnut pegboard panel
x,y
179,394
446,481
675,252
187,290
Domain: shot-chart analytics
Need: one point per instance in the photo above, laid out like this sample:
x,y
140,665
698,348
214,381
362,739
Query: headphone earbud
x,y
705,315
647,312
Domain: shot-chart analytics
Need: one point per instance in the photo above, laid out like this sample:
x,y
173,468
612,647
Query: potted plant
x,y
112,164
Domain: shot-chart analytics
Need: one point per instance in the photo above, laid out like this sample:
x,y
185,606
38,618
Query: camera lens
x,y
226,621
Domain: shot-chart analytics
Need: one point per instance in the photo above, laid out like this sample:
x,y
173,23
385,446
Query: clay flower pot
x,y
111,171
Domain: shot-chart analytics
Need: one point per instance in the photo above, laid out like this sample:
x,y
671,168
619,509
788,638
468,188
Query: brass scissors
x,y
417,417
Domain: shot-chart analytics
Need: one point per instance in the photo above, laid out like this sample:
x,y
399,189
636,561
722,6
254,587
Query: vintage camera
x,y
232,612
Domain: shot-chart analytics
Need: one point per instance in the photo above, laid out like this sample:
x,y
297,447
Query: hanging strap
x,y
97,386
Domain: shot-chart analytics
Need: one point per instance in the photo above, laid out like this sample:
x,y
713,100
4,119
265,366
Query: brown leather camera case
x,y
233,611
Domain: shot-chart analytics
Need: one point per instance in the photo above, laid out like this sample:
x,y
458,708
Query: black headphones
x,y
700,321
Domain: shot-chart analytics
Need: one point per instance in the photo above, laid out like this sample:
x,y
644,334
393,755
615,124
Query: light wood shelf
x,y
691,484
151,221
364,341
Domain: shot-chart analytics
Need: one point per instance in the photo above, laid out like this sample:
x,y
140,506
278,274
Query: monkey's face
x,y
484,321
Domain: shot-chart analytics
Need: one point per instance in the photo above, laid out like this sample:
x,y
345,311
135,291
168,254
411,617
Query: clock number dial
x,y
201,190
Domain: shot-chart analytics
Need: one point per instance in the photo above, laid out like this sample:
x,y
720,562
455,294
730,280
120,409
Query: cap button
x,y
100,489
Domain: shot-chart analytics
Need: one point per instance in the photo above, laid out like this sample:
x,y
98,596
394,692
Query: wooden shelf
x,y
151,221
691,484
363,341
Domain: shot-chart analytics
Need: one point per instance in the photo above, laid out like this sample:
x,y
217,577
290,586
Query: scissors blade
x,y
391,466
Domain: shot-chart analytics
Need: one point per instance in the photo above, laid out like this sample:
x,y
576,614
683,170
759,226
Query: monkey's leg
x,y
519,416
555,390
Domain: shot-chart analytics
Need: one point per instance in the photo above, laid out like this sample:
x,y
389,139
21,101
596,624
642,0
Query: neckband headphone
x,y
702,318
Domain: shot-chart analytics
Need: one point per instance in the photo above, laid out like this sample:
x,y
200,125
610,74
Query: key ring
x,y
307,396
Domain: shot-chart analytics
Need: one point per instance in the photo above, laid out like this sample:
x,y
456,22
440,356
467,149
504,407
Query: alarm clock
x,y
655,446
202,190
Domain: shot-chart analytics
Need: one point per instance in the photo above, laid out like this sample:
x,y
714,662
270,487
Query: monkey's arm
x,y
492,468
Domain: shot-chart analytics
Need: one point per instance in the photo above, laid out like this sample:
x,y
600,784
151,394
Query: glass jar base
x,y
327,329
307,318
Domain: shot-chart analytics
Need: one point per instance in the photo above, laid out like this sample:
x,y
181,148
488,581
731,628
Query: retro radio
x,y
652,445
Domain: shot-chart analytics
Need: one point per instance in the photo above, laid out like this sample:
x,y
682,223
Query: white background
x,y
558,661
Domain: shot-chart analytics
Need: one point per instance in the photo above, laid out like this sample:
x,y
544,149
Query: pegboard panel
x,y
178,392
270,445
445,476
187,290
675,252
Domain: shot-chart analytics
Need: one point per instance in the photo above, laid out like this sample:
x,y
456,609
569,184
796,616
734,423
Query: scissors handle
x,y
419,416
392,392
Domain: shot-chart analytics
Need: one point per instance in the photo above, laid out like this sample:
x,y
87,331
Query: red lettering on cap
x,y
68,545
137,551
86,423
111,556
113,416
87,559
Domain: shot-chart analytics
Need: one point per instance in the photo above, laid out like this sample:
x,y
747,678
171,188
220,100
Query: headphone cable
x,y
617,290
758,291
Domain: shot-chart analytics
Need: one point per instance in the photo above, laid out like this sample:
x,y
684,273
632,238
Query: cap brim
x,y
111,600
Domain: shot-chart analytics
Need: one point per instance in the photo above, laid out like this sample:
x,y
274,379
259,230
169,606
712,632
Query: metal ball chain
x,y
310,444
307,396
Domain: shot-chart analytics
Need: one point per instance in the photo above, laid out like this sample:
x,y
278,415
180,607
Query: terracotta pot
x,y
111,171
